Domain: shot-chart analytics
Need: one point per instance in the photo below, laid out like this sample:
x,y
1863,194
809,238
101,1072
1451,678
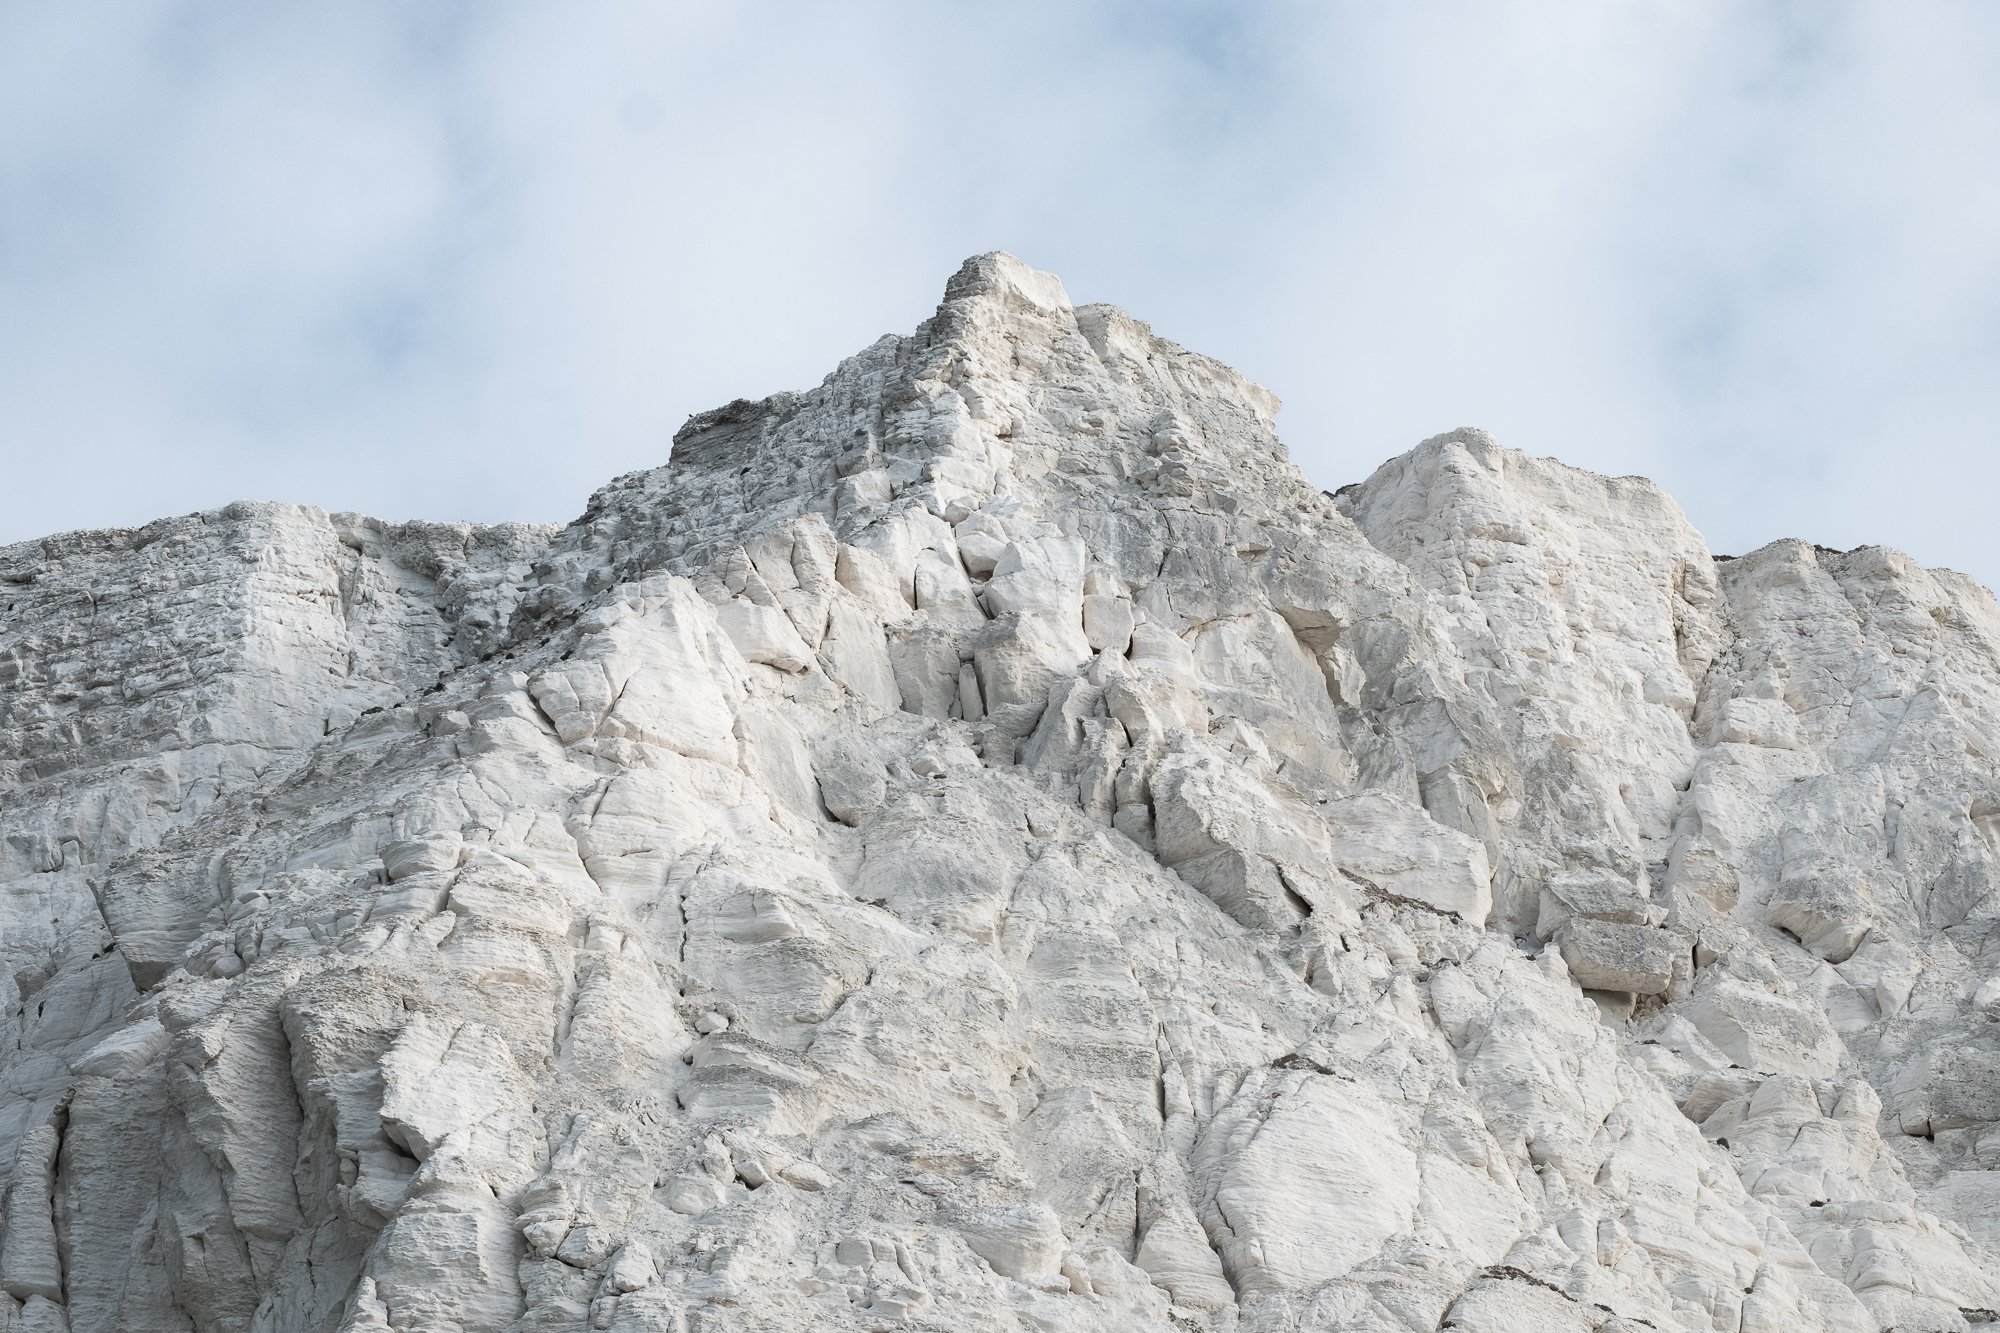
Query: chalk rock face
x,y
983,843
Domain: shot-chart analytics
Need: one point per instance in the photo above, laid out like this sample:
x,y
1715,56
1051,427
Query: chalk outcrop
x,y
984,844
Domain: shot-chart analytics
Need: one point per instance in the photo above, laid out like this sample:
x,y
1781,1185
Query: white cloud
x,y
471,261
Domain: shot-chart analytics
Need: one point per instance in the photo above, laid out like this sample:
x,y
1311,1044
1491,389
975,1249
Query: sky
x,y
462,260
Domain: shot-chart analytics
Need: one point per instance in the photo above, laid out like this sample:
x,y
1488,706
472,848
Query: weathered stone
x,y
1829,914
1023,1242
985,841
1608,955
1761,1030
1596,896
1397,848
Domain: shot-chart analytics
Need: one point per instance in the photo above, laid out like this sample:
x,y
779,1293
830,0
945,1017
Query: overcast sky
x,y
456,260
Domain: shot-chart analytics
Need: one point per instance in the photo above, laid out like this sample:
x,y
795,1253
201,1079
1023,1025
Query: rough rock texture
x,y
984,845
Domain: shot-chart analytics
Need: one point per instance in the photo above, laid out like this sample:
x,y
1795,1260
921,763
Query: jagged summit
x,y
984,843
1007,374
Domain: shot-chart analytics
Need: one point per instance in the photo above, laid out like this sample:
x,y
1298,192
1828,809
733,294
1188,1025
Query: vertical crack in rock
x,y
31,1246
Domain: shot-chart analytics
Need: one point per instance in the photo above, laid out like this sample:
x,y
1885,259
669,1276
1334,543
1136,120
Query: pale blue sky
x,y
460,260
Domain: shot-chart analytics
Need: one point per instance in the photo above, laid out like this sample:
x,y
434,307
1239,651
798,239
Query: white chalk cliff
x,y
984,844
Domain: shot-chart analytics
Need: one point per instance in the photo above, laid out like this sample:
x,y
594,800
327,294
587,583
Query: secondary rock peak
x,y
997,274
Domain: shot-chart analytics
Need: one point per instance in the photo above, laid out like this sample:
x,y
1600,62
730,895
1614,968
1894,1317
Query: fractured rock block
x,y
29,1265
1303,1177
1018,659
1501,1299
981,541
1176,1255
630,1268
1828,913
763,634
1764,722
1227,833
1947,1089
1020,1242
1599,896
415,856
1108,622
1394,845
924,660
856,653
1611,955
1760,1030
1044,575
1245,885
693,1192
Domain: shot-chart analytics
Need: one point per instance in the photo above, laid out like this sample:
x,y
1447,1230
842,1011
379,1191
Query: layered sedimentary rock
x,y
984,844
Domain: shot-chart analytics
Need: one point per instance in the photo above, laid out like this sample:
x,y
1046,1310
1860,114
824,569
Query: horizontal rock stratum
x,y
984,844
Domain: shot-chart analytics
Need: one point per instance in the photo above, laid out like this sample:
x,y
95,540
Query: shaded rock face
x,y
984,844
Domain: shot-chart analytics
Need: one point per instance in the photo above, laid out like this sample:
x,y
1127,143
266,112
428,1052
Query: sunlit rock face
x,y
983,844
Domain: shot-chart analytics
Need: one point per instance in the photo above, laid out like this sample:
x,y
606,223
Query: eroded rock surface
x,y
984,844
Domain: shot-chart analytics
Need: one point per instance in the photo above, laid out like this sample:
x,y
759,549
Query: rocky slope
x,y
983,844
